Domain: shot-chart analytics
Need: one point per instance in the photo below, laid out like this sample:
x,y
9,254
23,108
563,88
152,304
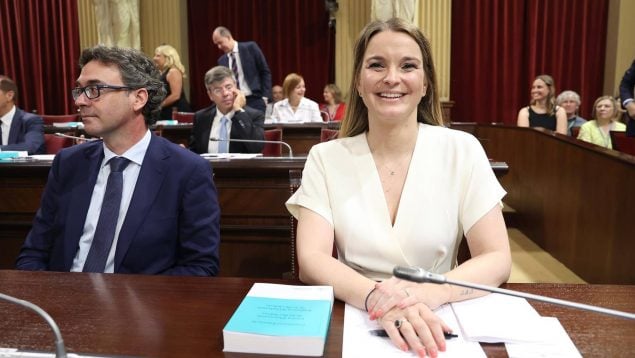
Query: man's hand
x,y
239,101
630,108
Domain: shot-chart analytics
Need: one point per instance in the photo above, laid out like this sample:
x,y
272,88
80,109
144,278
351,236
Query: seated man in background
x,y
276,95
132,202
228,118
19,130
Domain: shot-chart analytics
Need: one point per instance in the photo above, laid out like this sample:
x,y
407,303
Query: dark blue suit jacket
x,y
248,124
26,133
172,223
255,68
626,92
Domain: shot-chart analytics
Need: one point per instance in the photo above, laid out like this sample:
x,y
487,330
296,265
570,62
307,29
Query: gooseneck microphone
x,y
60,350
212,139
75,137
417,274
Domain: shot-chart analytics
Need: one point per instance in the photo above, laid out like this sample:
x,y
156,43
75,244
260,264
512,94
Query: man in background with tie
x,y
227,118
249,65
19,130
132,202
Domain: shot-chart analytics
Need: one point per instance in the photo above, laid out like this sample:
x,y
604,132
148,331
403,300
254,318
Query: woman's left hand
x,y
416,327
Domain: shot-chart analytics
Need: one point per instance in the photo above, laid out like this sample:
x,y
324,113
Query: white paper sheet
x,y
557,345
359,343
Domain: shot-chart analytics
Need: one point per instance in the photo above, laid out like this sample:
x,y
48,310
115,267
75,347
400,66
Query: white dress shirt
x,y
135,154
212,147
242,82
5,124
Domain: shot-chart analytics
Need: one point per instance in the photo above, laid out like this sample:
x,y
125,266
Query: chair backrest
x,y
183,117
295,179
54,143
328,134
326,117
574,132
272,149
623,143
49,119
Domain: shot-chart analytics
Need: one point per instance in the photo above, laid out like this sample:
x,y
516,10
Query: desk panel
x,y
255,225
574,199
163,316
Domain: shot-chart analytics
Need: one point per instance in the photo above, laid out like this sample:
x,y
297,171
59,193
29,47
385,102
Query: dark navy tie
x,y
107,224
235,68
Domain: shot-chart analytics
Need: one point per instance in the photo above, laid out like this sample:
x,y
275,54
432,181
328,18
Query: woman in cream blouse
x,y
295,108
398,188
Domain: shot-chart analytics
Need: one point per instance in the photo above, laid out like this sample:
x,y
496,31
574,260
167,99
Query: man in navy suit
x,y
19,130
241,122
626,96
167,221
249,66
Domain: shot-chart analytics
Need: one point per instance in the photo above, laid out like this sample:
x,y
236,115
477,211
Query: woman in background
x,y
295,108
570,101
172,74
333,105
605,119
542,111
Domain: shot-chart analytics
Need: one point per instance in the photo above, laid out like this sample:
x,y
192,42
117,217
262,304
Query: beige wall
x,y
620,43
161,22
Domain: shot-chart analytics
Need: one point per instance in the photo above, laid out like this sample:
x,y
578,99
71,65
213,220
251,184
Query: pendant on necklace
x,y
392,172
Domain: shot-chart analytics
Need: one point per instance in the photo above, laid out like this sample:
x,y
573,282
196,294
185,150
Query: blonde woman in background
x,y
605,119
333,104
172,74
542,111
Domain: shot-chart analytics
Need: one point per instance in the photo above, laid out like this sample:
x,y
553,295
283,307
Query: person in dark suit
x,y
19,130
249,65
627,86
167,221
228,117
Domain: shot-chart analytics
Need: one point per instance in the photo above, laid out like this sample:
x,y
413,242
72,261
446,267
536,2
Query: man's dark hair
x,y
7,85
137,71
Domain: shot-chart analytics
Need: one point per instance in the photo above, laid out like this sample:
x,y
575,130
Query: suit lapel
x,y
151,176
16,123
81,194
208,118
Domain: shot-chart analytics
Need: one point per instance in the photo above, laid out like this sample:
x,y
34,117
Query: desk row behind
x,y
255,224
163,316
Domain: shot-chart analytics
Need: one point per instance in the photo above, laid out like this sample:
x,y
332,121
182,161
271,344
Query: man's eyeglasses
x,y
221,90
94,91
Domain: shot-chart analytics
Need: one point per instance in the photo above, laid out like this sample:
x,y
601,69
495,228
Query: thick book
x,y
281,319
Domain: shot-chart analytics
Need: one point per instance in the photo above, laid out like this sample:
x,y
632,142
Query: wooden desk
x,y
162,316
255,224
574,199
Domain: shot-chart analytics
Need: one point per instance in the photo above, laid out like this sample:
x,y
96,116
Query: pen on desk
x,y
383,333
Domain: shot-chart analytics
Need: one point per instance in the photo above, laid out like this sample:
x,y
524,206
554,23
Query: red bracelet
x,y
367,296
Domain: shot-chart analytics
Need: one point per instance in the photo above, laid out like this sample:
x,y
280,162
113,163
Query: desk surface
x,y
163,316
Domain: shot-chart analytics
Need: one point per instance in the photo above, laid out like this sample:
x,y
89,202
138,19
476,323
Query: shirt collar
x,y
8,117
135,154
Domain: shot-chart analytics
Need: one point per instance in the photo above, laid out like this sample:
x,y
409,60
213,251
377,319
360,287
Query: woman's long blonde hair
x,y
172,58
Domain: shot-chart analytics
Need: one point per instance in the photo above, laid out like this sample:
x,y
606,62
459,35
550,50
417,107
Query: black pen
x,y
383,333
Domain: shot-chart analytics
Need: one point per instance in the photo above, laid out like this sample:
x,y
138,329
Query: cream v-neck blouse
x,y
450,185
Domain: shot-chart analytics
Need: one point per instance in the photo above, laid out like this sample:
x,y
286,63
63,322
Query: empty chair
x,y
272,149
183,117
623,143
49,119
54,143
328,134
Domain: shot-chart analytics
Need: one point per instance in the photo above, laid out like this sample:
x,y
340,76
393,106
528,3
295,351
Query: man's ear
x,y
10,95
140,99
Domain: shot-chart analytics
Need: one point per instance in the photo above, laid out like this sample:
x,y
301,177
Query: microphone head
x,y
417,274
